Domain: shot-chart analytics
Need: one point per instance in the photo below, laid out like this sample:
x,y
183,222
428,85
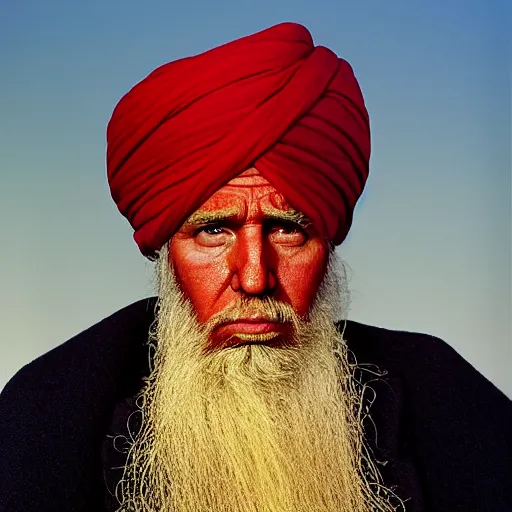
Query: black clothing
x,y
444,429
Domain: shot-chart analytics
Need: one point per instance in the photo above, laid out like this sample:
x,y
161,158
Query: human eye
x,y
212,235
287,233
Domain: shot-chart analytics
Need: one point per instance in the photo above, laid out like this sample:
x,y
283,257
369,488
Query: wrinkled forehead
x,y
249,192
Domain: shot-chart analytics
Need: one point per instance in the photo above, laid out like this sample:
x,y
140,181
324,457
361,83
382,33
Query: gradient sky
x,y
430,247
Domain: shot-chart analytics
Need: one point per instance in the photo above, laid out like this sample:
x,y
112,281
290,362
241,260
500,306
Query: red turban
x,y
271,100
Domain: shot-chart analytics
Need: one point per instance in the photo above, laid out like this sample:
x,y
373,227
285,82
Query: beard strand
x,y
252,428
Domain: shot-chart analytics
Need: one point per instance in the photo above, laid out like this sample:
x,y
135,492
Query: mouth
x,y
252,326
252,329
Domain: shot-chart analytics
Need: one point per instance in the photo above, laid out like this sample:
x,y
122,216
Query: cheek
x,y
200,279
300,276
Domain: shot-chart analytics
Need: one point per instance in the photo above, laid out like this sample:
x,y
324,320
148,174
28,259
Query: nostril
x,y
235,283
272,281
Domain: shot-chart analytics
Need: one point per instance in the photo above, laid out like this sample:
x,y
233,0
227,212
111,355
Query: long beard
x,y
252,428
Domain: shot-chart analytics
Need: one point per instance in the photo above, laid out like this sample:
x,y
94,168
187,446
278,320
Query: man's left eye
x,y
288,234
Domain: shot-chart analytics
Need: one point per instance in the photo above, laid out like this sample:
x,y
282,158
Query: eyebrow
x,y
289,215
208,217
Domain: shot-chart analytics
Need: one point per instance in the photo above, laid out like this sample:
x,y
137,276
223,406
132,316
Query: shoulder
x,y
427,364
442,392
455,422
403,350
95,363
89,348
379,339
64,398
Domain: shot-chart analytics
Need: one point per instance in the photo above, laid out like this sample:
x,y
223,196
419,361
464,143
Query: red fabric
x,y
271,100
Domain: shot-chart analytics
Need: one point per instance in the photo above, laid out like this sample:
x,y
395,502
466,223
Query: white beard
x,y
253,428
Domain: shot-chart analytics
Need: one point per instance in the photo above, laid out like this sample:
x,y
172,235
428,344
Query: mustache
x,y
270,309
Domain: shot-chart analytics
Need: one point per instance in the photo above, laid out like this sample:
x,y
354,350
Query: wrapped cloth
x,y
271,100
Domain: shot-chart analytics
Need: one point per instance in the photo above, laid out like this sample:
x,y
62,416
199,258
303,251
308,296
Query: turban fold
x,y
271,100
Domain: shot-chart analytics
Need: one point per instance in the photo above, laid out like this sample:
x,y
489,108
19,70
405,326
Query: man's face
x,y
246,242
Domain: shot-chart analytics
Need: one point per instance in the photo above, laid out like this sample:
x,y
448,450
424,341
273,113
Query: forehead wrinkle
x,y
250,204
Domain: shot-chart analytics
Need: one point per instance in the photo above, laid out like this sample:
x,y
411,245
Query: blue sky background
x,y
430,248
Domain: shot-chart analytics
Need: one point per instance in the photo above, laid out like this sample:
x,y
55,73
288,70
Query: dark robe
x,y
444,431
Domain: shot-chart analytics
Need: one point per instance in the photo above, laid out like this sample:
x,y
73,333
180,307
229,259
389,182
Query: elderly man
x,y
242,386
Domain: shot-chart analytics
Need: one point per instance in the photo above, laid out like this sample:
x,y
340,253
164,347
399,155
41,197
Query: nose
x,y
252,274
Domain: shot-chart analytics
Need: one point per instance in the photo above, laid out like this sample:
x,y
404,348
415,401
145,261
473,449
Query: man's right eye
x,y
211,230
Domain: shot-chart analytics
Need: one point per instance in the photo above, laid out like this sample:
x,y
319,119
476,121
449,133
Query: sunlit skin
x,y
246,240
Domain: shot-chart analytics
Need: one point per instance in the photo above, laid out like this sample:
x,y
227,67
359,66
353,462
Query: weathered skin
x,y
248,254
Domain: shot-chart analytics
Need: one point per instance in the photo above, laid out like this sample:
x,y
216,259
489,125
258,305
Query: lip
x,y
251,326
251,329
